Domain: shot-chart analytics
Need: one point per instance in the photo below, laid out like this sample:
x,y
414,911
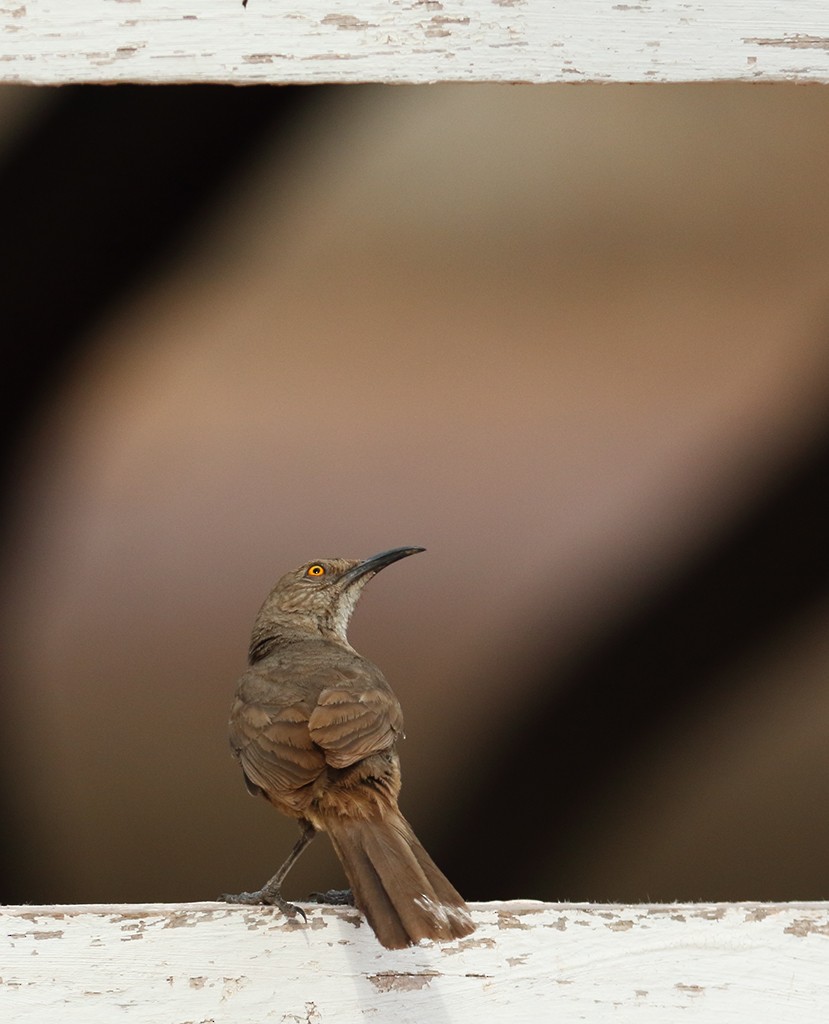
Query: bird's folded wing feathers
x,y
274,747
351,724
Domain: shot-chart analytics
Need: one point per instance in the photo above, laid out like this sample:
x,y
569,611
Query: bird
x,y
315,727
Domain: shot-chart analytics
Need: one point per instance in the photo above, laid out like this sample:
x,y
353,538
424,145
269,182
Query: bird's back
x,y
304,709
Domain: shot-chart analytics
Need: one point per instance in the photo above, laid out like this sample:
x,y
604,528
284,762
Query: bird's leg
x,y
270,894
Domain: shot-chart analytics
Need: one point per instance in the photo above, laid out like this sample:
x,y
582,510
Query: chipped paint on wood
x,y
198,962
42,41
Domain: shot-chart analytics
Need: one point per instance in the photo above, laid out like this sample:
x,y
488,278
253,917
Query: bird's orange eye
x,y
315,570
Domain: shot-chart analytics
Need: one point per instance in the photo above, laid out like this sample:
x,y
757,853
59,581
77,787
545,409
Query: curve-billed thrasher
x,y
315,727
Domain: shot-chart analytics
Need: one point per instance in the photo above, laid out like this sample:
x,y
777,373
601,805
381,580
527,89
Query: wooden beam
x,y
281,41
744,962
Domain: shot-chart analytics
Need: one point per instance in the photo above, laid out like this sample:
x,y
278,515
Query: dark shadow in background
x,y
657,671
104,189
101,192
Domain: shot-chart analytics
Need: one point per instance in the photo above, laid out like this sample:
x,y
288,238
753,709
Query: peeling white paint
x,y
751,963
54,41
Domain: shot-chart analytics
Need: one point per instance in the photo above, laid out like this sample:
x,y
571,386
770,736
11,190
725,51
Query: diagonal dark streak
x,y
519,828
102,188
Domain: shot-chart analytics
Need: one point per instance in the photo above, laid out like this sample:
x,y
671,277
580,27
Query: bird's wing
x,y
289,721
271,740
352,722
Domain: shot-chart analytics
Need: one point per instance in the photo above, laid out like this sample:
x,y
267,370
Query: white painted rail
x,y
58,41
746,962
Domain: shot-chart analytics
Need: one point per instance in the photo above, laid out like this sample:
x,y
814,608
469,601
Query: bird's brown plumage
x,y
314,726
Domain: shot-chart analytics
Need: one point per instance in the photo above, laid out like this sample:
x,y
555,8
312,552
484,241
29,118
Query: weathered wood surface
x,y
205,962
54,41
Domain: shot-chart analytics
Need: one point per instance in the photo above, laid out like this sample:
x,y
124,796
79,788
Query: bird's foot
x,y
265,897
333,897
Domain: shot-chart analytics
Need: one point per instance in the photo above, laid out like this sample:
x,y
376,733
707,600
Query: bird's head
x,y
317,599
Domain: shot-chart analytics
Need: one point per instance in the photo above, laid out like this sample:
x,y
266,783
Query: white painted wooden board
x,y
57,41
164,964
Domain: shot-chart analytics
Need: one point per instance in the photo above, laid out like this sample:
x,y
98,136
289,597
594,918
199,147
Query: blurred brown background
x,y
573,340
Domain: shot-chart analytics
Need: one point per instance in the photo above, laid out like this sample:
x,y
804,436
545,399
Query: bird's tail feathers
x,y
396,884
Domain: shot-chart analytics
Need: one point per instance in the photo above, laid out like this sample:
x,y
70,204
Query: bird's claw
x,y
333,897
265,898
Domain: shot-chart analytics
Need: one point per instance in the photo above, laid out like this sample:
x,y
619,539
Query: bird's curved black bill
x,y
378,562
